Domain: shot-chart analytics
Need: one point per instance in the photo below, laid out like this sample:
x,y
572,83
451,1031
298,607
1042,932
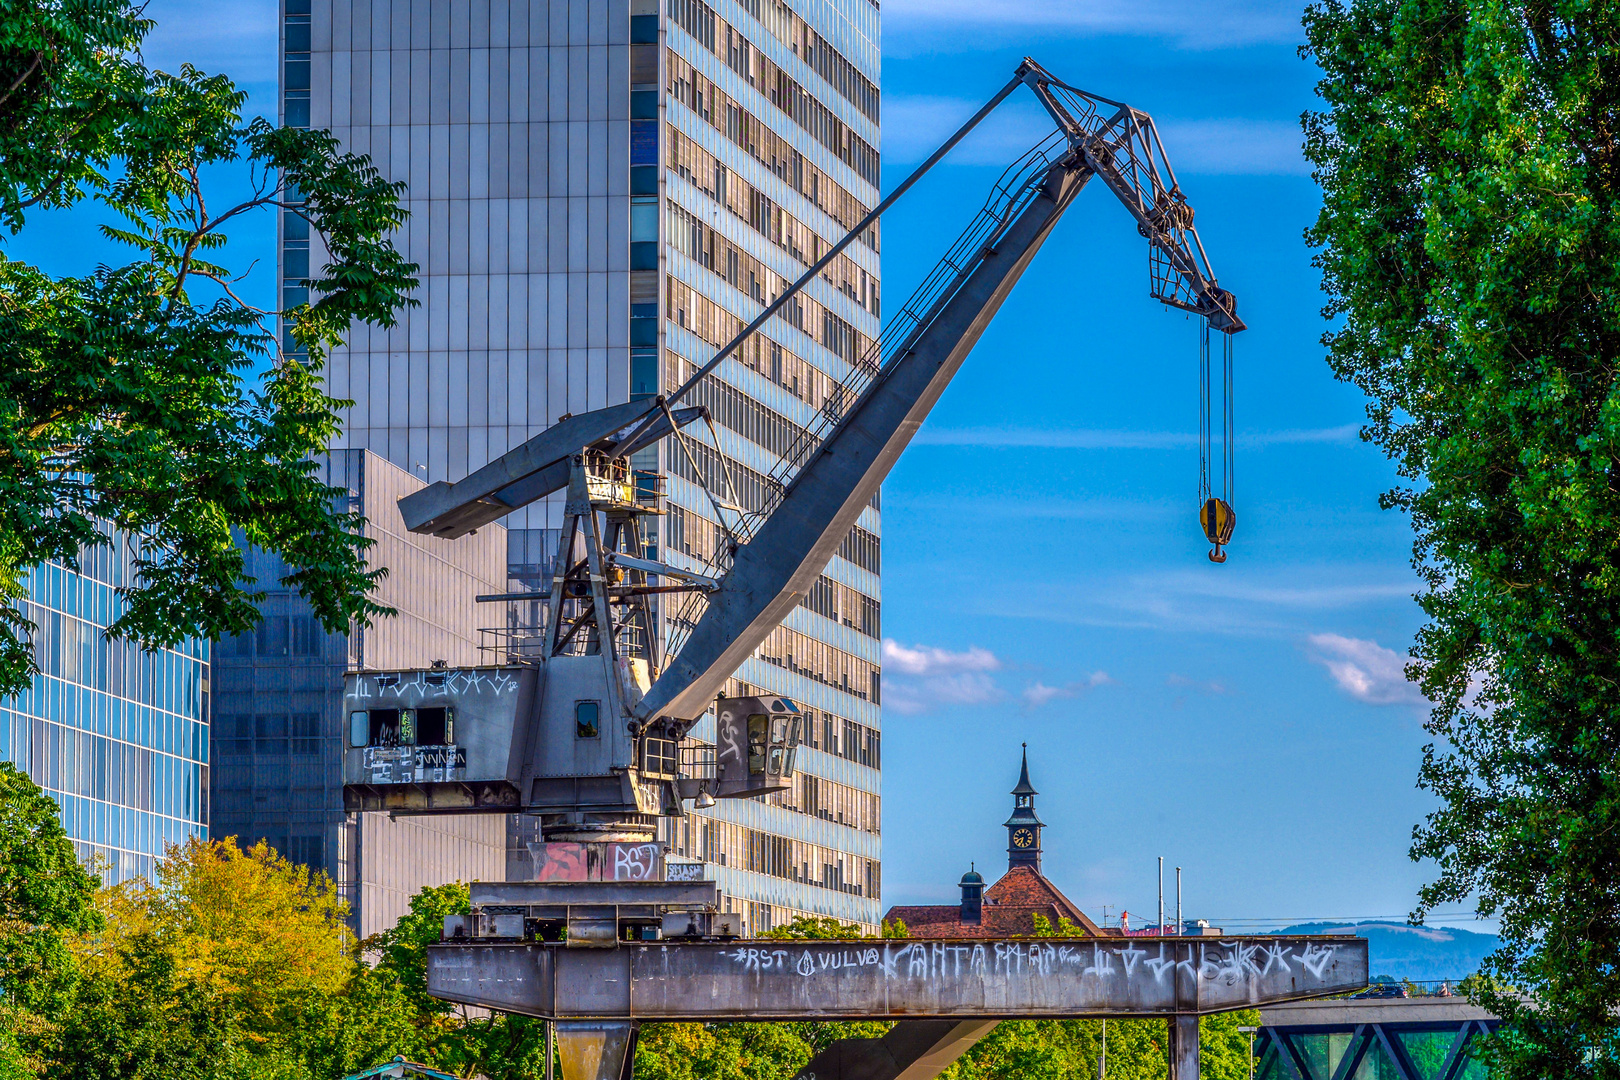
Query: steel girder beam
x,y
1183,1047
596,1051
911,1050
855,980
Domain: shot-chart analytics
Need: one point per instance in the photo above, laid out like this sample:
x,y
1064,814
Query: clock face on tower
x,y
1023,838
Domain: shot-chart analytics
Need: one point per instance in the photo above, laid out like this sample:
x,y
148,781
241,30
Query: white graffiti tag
x,y
1132,956
1159,965
1278,955
1316,958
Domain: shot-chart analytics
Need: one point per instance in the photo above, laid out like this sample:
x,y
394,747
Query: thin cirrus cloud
x,y
1365,670
914,125
1104,439
920,678
1037,693
1185,23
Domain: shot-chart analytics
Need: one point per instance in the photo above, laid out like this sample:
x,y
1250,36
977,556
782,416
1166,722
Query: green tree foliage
x,y
45,898
1470,246
150,395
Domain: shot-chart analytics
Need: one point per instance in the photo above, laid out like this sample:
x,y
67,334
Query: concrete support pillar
x,y
912,1050
1183,1047
596,1049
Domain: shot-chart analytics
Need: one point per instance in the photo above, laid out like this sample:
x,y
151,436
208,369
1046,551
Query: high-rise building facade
x,y
602,192
278,707
116,734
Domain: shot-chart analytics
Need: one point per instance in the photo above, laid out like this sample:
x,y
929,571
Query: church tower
x,y
1024,827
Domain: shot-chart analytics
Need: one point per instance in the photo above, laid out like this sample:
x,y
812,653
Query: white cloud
x,y
1038,693
930,677
1233,146
1190,24
926,660
914,125
1366,670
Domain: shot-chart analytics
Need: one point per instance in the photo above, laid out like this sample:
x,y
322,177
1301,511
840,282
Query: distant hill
x,y
1419,953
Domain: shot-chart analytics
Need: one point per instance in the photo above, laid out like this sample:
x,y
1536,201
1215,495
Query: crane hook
x,y
1217,519
1215,512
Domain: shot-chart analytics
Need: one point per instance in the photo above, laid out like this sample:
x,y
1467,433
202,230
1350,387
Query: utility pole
x,y
1161,895
1102,1058
1249,1031
552,1053
1178,900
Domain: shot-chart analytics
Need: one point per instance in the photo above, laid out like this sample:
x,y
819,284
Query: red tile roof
x,y
1010,907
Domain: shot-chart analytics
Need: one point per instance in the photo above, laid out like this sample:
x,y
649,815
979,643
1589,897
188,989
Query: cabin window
x,y
436,726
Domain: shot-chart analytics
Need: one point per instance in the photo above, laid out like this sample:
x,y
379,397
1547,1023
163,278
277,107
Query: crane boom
x,y
826,480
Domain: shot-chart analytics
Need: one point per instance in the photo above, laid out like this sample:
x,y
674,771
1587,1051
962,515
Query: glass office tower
x,y
602,192
118,736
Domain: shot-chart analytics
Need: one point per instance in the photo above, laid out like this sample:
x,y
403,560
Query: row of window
x,y
735,410
268,734
700,242
687,158
840,603
728,844
691,310
831,801
115,563
846,739
862,548
784,24
827,664
747,488
783,91
65,759
700,21
690,87
91,709
277,636
79,652
765,357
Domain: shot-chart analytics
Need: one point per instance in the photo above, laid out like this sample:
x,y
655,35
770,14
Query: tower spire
x,y
1024,827
1024,787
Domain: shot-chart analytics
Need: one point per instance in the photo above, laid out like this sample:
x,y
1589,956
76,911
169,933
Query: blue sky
x,y
1044,577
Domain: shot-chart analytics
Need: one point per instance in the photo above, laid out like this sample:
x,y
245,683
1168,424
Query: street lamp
x,y
1249,1031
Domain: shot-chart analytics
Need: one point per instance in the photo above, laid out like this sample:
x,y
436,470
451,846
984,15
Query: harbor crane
x,y
590,737
600,728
